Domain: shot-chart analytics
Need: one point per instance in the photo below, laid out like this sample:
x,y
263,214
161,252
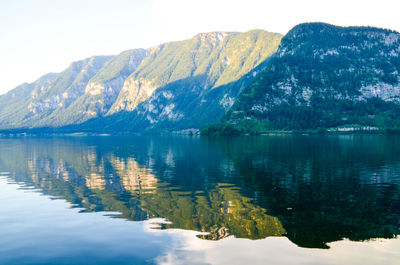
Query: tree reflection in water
x,y
313,190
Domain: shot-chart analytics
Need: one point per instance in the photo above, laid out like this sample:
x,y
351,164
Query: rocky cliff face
x,y
164,84
49,95
14,105
326,76
193,82
104,88
317,76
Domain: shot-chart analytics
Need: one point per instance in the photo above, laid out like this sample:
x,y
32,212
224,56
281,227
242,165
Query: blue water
x,y
191,200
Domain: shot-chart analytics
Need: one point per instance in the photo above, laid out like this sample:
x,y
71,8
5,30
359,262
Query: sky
x,y
42,36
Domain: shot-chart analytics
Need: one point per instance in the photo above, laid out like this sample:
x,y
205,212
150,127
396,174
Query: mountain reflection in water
x,y
313,190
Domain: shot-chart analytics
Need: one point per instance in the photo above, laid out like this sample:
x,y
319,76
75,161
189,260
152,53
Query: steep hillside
x,y
14,104
31,104
204,80
325,76
100,91
165,87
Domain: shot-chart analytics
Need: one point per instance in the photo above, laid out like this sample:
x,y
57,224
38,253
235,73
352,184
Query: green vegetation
x,y
324,76
221,57
176,85
121,65
239,127
198,79
321,78
45,101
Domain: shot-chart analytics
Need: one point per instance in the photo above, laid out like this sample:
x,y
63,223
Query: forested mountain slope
x,y
324,76
167,86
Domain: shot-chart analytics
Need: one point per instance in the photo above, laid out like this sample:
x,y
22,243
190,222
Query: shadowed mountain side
x,y
180,105
105,85
324,77
164,112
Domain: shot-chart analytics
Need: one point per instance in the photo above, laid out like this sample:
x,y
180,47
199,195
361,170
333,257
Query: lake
x,y
198,200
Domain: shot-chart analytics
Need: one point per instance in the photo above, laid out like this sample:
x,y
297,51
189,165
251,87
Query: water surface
x,y
173,199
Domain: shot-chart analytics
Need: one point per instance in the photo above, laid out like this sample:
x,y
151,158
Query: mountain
x,y
102,89
35,104
317,77
323,76
176,85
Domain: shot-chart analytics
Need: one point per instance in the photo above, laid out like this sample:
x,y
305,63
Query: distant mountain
x,y
35,104
318,77
323,76
175,85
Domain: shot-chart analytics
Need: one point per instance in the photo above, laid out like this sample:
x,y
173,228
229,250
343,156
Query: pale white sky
x,y
41,36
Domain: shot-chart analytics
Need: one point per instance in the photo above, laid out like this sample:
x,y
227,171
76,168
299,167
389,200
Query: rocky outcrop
x,y
326,76
161,86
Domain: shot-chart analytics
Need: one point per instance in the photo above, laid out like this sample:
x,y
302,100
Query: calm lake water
x,y
196,200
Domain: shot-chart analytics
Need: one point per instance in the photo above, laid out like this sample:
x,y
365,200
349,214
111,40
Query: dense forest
x,y
321,77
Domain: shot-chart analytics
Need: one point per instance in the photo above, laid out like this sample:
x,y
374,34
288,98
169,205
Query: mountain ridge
x,y
317,76
324,76
121,82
